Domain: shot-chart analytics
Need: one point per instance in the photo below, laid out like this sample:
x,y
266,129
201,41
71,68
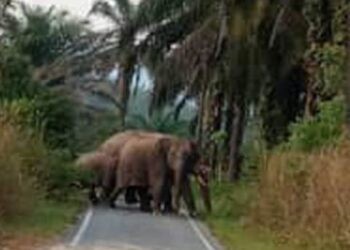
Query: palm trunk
x,y
124,92
236,141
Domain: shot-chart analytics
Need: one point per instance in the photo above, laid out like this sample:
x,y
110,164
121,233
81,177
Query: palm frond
x,y
105,10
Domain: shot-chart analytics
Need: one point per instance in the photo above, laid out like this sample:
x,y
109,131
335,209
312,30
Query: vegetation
x,y
267,80
37,128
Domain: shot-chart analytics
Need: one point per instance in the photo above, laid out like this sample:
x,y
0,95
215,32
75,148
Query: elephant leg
x,y
177,191
157,191
108,187
92,194
145,204
114,197
188,197
106,193
167,198
130,195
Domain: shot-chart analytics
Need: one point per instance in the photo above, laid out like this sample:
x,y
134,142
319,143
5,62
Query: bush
x,y
51,168
20,164
56,113
21,112
160,121
48,112
15,75
61,174
306,197
322,130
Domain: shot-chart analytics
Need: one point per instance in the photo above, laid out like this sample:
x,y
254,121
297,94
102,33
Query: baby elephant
x,y
102,166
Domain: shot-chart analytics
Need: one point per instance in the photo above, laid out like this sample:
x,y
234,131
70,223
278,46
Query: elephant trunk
x,y
203,181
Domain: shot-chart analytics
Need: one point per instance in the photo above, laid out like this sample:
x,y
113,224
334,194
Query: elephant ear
x,y
163,147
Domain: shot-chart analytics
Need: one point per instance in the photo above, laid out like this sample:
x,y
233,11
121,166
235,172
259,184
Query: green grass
x,y
229,220
48,219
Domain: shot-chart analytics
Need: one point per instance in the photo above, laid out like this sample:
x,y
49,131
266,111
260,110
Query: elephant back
x,y
113,145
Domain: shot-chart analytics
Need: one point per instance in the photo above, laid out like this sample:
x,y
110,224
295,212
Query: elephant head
x,y
182,156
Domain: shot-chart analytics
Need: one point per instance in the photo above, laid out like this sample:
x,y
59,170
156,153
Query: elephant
x,y
157,162
102,167
112,147
182,159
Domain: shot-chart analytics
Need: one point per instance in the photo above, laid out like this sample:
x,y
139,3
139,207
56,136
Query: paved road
x,y
128,229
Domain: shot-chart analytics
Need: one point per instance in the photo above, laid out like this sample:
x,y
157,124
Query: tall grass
x,y
307,197
21,160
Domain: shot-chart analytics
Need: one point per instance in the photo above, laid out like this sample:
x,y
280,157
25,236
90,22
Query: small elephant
x,y
102,167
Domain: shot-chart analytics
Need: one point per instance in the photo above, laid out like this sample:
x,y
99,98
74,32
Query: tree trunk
x,y
124,85
311,96
229,120
347,81
237,132
179,107
216,126
326,33
201,118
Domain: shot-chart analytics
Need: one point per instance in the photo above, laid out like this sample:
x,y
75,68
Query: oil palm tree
x,y
145,31
124,16
43,34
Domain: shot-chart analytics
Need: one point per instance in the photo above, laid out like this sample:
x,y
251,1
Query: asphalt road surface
x,y
125,228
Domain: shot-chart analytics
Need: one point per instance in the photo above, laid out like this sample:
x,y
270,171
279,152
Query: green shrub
x,y
21,112
60,175
57,115
15,75
322,130
52,114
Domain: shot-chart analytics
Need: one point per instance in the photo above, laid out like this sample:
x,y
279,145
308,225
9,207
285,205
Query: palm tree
x,y
43,34
160,23
206,62
123,14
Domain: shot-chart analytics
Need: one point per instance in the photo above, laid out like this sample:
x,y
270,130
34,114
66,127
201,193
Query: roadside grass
x,y
48,220
229,220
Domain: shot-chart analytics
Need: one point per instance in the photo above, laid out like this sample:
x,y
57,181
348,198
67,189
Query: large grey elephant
x,y
156,162
112,147
102,164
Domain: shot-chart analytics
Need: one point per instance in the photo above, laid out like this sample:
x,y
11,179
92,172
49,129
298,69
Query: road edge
x,y
79,233
203,233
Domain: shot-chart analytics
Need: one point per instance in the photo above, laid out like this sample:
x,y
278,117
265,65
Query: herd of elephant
x,y
152,169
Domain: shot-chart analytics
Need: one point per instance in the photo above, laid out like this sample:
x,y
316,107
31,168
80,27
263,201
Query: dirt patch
x,y
21,242
95,248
